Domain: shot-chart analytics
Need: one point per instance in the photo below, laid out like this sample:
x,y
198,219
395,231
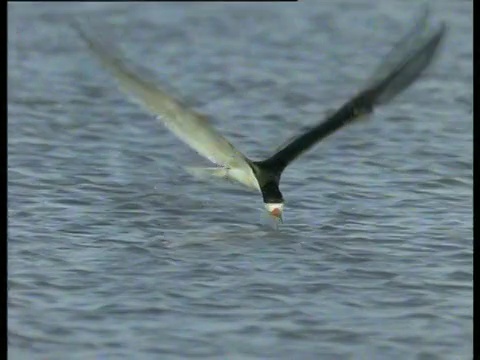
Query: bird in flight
x,y
410,56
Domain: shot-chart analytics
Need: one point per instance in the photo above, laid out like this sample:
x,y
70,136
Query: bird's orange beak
x,y
275,210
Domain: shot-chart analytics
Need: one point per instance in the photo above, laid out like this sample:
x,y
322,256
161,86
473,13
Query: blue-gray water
x,y
114,252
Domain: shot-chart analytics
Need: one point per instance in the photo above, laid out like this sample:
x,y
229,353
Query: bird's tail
x,y
207,173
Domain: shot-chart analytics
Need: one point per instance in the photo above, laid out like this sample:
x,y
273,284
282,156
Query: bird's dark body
x,y
269,171
404,65
268,176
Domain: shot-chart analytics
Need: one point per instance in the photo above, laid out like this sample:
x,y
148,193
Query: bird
x,y
404,64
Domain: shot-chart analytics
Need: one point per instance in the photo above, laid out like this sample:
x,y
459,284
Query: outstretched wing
x,y
191,127
400,68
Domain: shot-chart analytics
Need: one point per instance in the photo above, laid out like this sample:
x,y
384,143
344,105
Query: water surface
x,y
116,253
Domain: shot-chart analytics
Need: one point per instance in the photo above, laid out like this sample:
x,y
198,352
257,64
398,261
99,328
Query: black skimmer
x,y
401,67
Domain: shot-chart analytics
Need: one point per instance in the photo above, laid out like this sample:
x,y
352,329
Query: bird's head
x,y
273,199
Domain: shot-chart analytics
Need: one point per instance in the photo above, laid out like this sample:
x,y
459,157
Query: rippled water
x,y
114,252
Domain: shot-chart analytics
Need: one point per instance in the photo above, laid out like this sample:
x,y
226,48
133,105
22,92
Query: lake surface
x,y
114,252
